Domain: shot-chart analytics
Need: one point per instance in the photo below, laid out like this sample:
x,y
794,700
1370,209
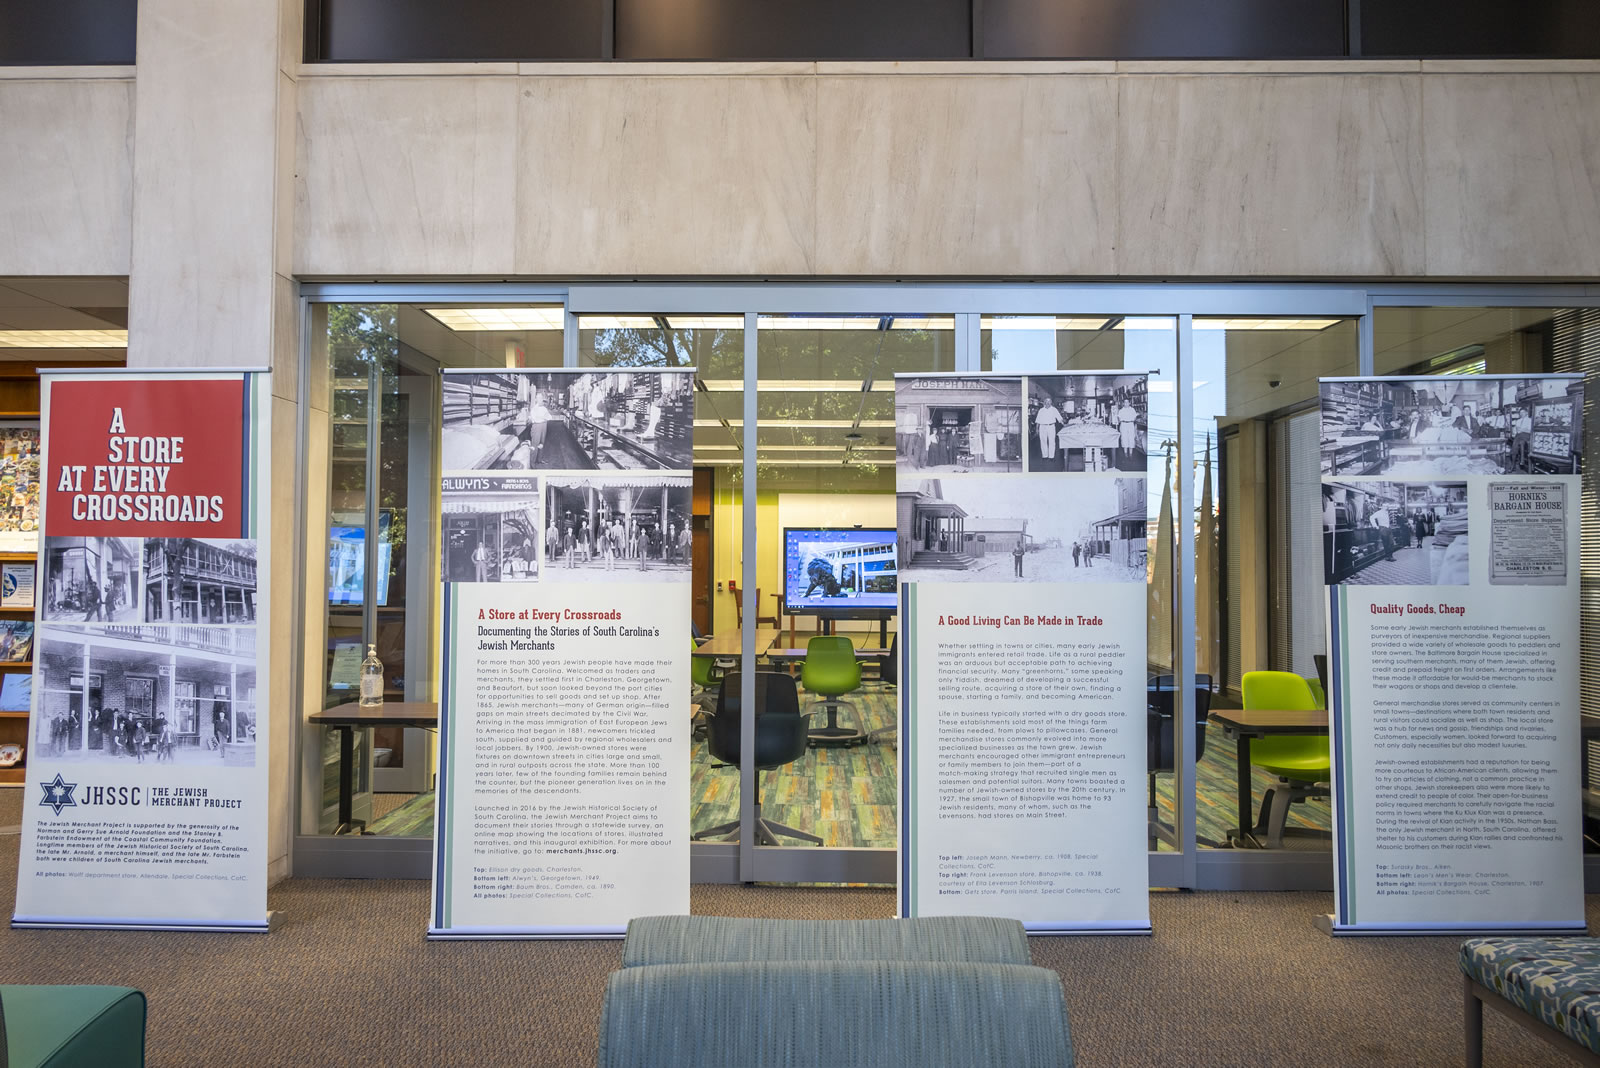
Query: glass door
x,y
828,525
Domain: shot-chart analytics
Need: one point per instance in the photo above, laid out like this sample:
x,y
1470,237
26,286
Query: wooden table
x,y
347,719
732,643
1242,725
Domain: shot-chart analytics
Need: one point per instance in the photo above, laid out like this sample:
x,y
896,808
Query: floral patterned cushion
x,y
1555,979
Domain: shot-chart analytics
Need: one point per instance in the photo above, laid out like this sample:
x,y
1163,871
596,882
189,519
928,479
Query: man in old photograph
x,y
1395,533
1087,422
1004,530
951,423
620,529
143,694
568,421
1451,425
91,580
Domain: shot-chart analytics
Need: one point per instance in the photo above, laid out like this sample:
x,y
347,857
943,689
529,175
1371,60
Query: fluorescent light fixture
x,y
805,424
63,339
651,322
705,322
1265,324
854,322
1042,322
547,317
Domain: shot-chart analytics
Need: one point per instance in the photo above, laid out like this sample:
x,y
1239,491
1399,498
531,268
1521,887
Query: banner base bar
x,y
178,928
1087,931
1327,926
521,936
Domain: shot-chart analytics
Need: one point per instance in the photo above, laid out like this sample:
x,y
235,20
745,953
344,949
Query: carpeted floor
x,y
1227,979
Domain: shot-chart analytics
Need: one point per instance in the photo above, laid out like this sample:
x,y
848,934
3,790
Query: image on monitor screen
x,y
347,562
839,570
16,692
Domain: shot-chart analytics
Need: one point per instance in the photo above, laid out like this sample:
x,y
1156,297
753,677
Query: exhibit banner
x,y
1021,538
1451,550
148,735
562,808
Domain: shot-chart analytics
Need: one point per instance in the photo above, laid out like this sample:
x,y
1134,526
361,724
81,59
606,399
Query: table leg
x,y
347,777
1246,835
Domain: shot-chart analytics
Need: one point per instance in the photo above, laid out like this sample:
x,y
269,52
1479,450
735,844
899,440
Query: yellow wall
x,y
774,512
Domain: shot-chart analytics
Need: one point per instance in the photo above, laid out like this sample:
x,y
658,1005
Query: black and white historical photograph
x,y
991,529
1380,533
145,694
1451,425
568,421
619,529
199,580
93,580
952,423
491,529
1087,422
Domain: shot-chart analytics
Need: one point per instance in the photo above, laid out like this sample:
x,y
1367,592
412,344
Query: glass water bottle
x,y
371,679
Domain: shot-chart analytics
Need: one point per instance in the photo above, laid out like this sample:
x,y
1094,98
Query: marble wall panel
x,y
1270,176
66,177
964,176
635,176
1513,173
406,176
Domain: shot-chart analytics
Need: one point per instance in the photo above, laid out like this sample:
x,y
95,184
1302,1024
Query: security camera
x,y
1275,383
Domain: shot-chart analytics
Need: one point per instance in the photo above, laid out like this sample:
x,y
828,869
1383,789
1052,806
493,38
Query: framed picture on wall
x,y
19,485
16,584
16,641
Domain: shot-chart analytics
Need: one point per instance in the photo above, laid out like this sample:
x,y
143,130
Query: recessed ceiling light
x,y
548,317
63,339
1265,324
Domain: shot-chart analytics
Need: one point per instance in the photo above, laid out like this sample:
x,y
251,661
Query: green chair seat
x,y
831,670
1300,761
73,1026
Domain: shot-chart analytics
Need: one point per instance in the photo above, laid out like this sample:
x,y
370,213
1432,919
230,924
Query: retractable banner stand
x,y
1021,533
563,792
147,753
1451,546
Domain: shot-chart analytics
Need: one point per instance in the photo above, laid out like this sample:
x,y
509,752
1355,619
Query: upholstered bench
x,y
723,939
71,1027
824,1014
938,990
1548,985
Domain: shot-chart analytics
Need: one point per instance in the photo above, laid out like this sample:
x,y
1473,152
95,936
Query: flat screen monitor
x,y
347,563
840,572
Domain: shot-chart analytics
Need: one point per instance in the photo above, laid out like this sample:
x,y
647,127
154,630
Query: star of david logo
x,y
58,794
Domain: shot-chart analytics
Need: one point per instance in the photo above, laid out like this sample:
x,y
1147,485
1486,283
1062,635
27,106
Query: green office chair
x,y
1300,761
1317,695
830,671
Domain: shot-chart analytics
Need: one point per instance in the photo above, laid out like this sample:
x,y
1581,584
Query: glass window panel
x,y
1255,391
381,363
714,346
826,453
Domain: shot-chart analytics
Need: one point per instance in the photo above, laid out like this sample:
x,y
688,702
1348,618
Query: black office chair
x,y
1161,697
781,737
889,675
